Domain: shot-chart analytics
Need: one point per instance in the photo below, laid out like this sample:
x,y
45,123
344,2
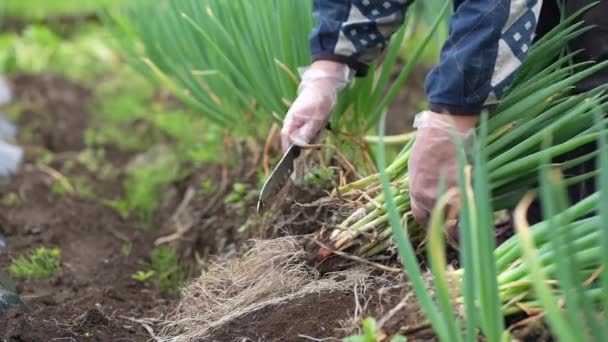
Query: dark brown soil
x,y
327,315
316,315
93,297
54,111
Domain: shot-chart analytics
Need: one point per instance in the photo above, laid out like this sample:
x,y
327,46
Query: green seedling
x,y
163,269
42,263
59,189
121,207
143,276
145,183
319,176
45,158
92,159
371,333
84,188
9,200
126,249
239,198
239,191
207,186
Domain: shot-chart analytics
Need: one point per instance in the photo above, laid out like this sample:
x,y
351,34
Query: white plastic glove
x,y
433,157
317,97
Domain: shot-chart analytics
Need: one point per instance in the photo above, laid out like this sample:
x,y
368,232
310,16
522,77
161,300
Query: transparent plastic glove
x,y
433,157
317,97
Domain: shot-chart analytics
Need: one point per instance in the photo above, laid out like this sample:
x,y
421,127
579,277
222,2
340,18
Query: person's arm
x,y
488,41
349,35
355,32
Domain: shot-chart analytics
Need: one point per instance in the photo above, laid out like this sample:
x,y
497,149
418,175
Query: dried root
x,y
271,273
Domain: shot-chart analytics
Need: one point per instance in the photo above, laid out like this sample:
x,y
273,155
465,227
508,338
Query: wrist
x,y
462,123
330,69
330,66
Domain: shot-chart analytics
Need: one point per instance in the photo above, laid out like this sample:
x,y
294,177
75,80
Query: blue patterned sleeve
x,y
355,32
488,41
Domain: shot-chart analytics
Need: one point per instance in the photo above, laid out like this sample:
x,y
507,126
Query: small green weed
x,y
146,182
240,197
126,249
143,275
320,176
45,158
92,159
10,199
59,189
239,191
42,263
207,186
371,333
163,269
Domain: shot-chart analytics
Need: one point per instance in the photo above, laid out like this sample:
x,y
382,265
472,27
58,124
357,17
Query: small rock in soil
x,y
8,130
5,92
10,159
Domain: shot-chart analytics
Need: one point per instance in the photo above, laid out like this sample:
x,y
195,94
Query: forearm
x,y
487,43
354,32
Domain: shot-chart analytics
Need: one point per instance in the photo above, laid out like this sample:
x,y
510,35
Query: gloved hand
x,y
317,97
434,156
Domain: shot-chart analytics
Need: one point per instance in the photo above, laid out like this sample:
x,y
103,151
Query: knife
x,y
279,176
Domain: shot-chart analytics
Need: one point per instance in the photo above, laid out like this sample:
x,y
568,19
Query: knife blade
x,y
279,176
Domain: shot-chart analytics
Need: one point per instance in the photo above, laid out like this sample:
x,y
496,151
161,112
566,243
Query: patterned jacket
x,y
488,41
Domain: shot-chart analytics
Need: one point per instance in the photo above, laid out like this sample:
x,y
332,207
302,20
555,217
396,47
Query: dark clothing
x,y
594,44
488,41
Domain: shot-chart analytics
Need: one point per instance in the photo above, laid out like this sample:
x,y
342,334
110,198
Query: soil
x,y
54,111
93,297
314,315
328,315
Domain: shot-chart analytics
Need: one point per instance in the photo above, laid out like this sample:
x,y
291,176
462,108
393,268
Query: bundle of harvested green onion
x,y
537,104
514,283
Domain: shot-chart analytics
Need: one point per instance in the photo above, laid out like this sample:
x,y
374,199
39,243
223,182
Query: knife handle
x,y
296,151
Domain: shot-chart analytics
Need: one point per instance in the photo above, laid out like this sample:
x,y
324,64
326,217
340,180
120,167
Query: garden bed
x,y
94,297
